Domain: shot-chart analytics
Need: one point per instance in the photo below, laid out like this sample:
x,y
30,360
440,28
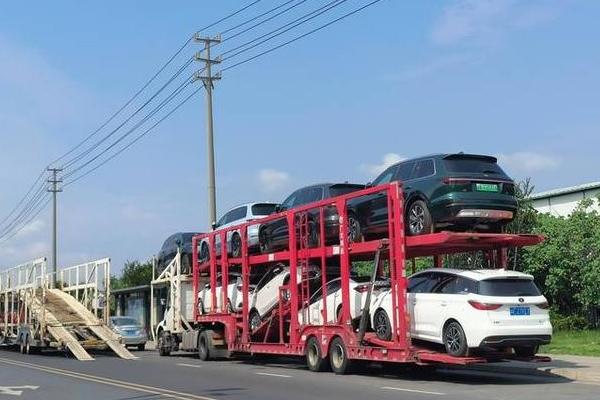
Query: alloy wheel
x,y
416,219
453,339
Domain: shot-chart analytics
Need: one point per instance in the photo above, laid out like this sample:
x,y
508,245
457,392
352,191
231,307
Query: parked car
x,y
132,332
169,250
273,235
465,310
265,293
236,216
234,295
464,191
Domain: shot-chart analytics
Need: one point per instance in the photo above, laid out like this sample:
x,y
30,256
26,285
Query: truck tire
x,y
205,346
164,344
338,357
314,360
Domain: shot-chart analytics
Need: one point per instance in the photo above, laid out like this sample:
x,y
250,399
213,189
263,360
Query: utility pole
x,y
205,75
53,188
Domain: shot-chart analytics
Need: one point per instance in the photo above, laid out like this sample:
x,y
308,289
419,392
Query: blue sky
x,y
517,79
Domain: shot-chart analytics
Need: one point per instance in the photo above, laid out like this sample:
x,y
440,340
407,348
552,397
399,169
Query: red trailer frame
x,y
281,333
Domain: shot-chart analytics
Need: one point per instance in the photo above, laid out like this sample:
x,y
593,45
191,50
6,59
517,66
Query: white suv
x,y
236,216
471,309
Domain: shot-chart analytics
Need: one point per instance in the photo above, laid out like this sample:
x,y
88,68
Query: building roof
x,y
566,190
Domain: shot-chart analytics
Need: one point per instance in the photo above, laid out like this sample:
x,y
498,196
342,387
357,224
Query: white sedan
x,y
234,296
464,309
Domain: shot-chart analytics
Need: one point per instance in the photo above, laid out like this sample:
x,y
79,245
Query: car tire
x,y
264,241
418,219
186,264
354,229
313,234
455,340
230,309
526,351
314,360
338,357
141,347
200,307
236,245
382,325
205,345
204,252
254,320
163,349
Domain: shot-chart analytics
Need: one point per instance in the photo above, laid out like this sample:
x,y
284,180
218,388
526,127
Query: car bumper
x,y
467,209
507,336
134,340
515,340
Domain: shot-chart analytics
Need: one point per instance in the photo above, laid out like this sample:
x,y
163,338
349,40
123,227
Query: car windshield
x,y
508,287
338,190
124,321
473,165
187,237
263,209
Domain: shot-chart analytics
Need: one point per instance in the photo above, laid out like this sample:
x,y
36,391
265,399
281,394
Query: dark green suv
x,y
441,191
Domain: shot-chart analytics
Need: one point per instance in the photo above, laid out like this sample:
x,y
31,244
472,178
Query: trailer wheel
x,y
164,348
382,325
254,320
264,241
314,360
338,357
205,347
419,219
455,340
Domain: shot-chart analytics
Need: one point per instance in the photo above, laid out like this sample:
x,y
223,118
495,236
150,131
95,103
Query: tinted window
x,y
309,195
508,287
290,201
187,237
124,321
422,283
222,220
404,171
456,285
236,214
263,209
385,177
423,168
338,190
473,165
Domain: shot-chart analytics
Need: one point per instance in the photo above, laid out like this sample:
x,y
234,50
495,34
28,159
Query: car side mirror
x,y
369,185
278,208
213,226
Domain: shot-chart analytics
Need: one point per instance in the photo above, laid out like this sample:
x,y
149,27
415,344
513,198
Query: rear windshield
x,y
263,209
473,165
339,190
124,321
508,287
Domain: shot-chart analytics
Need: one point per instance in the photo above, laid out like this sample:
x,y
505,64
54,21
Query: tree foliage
x,y
134,273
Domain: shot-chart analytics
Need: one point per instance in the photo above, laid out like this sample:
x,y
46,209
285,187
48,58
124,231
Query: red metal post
x,y
293,251
224,271
213,271
245,285
344,260
322,243
195,275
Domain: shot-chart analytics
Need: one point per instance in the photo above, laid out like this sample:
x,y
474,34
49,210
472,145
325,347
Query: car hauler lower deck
x,y
285,329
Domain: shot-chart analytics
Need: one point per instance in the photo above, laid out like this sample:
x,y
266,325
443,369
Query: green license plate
x,y
486,187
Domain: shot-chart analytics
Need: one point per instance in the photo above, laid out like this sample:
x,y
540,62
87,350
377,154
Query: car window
x,y
420,283
122,321
289,202
265,279
423,168
237,214
334,286
508,287
338,190
404,171
466,164
385,177
309,195
223,220
263,209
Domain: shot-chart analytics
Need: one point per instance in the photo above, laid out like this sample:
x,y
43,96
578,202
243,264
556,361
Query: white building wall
x,y
564,204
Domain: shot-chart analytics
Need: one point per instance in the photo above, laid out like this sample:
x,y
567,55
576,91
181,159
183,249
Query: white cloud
x,y
387,160
485,21
527,162
272,180
31,228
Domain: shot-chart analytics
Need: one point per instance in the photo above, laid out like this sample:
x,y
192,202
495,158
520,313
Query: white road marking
x,y
412,390
15,390
189,365
275,375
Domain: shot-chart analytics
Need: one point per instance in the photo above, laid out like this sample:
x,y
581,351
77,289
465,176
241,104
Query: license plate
x,y
517,311
487,187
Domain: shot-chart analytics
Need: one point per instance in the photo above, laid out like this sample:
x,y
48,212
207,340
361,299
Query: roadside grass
x,y
580,343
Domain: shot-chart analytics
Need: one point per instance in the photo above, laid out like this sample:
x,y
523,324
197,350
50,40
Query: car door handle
x,y
444,304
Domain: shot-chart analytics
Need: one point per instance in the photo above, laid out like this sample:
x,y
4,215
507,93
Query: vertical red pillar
x,y
323,249
224,271
344,260
195,275
293,252
245,285
213,271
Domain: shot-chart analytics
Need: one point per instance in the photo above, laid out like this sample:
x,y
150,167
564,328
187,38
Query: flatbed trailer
x,y
220,332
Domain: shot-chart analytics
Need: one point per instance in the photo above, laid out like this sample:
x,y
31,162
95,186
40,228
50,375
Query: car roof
x,y
250,205
447,156
480,274
329,184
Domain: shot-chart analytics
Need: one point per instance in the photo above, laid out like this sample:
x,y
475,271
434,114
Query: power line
x,y
279,31
23,198
134,140
233,14
301,36
6,238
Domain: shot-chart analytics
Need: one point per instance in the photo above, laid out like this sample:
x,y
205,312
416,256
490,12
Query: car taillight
x,y
484,306
544,305
455,181
361,288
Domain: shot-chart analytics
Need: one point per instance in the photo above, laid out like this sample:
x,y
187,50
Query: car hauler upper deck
x,y
285,330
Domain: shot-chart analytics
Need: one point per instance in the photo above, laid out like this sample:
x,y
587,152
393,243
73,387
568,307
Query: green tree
x,y
134,274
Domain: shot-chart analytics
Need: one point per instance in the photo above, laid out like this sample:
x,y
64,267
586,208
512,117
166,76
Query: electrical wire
x,y
6,238
300,36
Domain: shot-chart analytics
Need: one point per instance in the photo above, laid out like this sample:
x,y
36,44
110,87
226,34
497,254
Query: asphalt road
x,y
55,377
